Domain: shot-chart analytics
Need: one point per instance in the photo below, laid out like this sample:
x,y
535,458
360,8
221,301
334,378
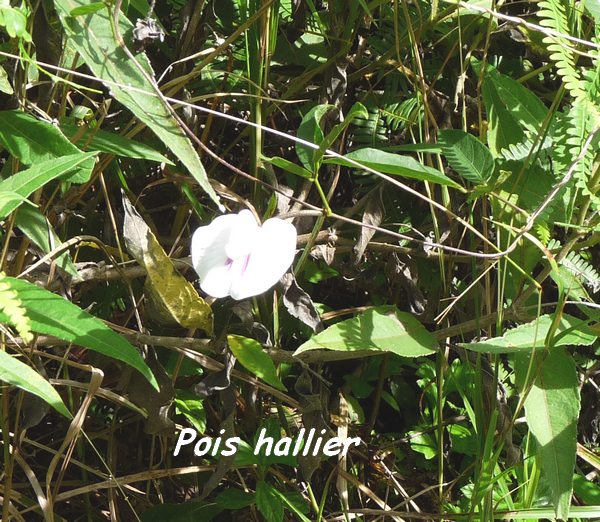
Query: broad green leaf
x,y
593,7
103,141
383,328
17,373
552,409
32,141
88,9
251,356
9,201
310,130
586,490
235,499
37,228
25,182
191,406
511,108
288,166
172,298
93,37
423,443
14,20
50,314
502,130
5,85
526,337
268,502
395,164
467,155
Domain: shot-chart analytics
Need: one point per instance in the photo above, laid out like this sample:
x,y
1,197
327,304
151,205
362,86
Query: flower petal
x,y
243,235
272,254
209,257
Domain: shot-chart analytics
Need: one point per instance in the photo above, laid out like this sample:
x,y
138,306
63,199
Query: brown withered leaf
x,y
372,216
172,298
299,304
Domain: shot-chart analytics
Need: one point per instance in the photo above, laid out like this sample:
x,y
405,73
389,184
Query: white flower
x,y
236,256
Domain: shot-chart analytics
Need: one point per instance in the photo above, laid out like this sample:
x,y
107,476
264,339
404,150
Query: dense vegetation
x,y
439,161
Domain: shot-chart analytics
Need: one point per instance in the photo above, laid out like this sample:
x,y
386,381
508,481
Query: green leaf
x,y
268,502
172,299
189,405
93,38
235,499
37,228
394,164
383,328
310,130
32,141
288,166
295,503
510,108
552,409
467,155
87,9
103,141
358,110
423,443
50,314
586,490
9,201
193,511
25,182
593,7
252,357
5,85
17,373
526,337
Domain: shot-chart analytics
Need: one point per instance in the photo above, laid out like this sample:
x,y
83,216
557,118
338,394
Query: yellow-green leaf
x,y
173,299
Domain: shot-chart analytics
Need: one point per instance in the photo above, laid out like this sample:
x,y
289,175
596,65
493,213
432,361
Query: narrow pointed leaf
x,y
38,229
310,130
25,182
50,314
524,338
111,143
552,409
17,373
93,37
32,140
395,164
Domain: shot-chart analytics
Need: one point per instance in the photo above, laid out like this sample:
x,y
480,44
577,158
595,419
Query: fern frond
x,y
405,114
553,14
13,309
582,270
578,267
525,149
369,132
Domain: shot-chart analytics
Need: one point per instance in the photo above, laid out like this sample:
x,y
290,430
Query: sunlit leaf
x,y
251,356
173,298
94,38
51,314
383,329
17,373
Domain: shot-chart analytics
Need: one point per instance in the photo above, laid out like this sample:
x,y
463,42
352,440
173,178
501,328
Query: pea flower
x,y
236,256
